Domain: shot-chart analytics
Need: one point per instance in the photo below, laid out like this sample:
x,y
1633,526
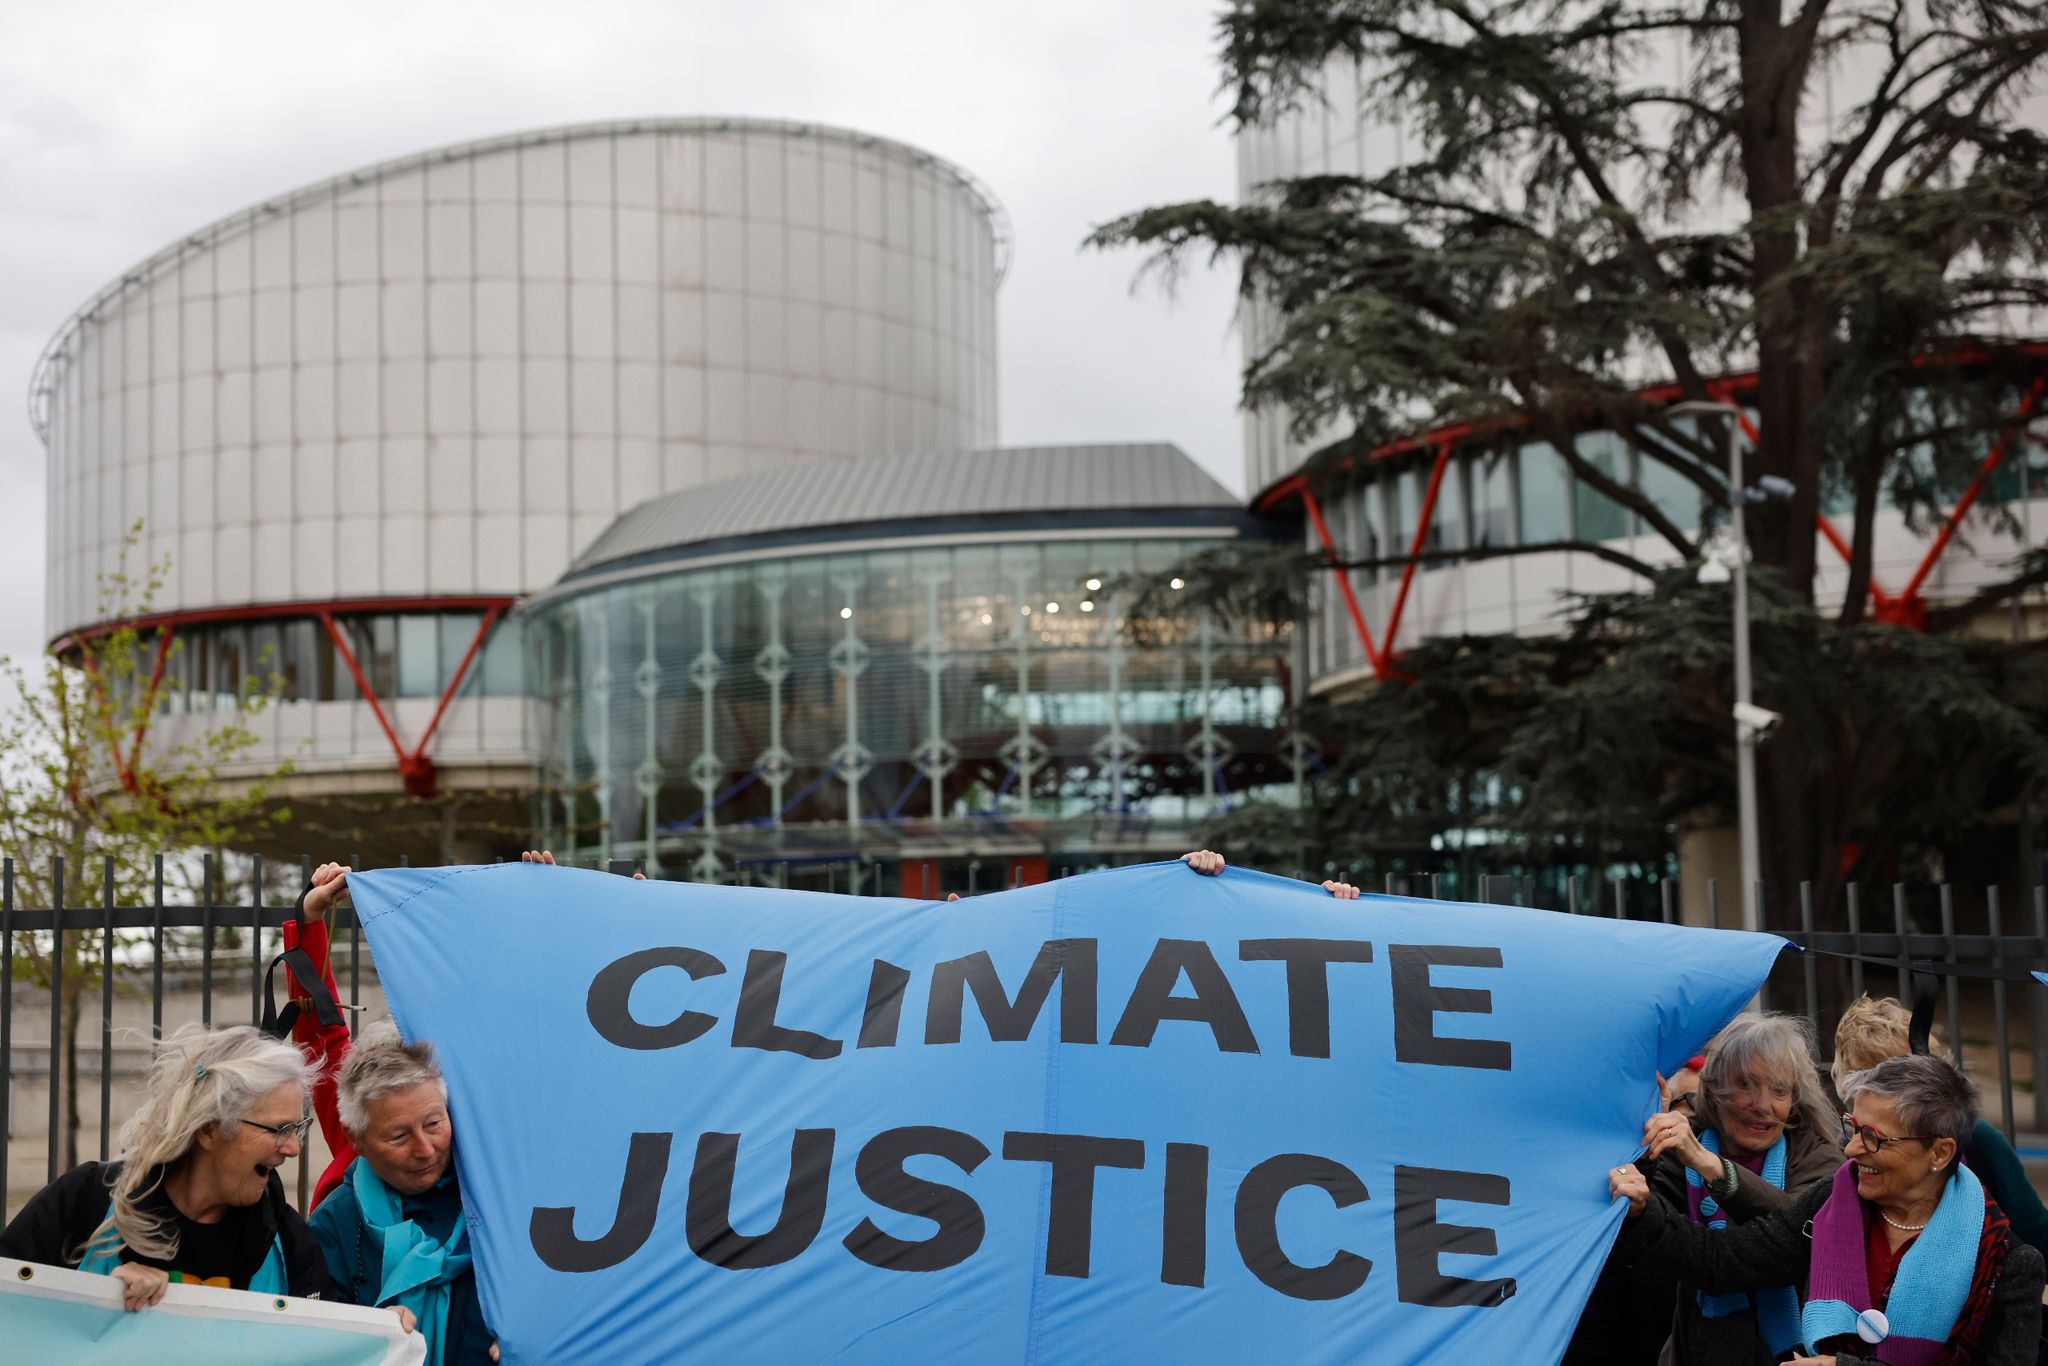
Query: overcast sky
x,y
125,125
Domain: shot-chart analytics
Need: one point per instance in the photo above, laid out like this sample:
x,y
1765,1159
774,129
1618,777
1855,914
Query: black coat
x,y
54,1227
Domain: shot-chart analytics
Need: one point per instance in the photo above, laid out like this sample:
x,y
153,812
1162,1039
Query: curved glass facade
x,y
930,708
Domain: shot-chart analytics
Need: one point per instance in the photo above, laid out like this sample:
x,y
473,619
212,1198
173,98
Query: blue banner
x,y
1142,1114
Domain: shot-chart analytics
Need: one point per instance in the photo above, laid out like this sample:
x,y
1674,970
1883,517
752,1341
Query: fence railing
x,y
137,970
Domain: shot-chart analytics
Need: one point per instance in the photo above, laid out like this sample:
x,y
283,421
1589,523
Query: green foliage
x,y
90,779
1612,733
1576,211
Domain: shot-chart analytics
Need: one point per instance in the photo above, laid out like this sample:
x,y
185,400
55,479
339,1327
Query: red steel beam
x,y
1970,494
1436,480
156,678
1315,516
419,751
355,670
285,610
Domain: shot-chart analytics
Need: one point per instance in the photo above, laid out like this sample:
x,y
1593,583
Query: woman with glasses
x,y
1903,1257
195,1196
1873,1029
1756,1135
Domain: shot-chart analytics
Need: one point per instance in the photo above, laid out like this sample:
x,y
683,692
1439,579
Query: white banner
x,y
51,1314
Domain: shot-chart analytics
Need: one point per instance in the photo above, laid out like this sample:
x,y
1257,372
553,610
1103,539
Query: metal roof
x,y
1017,483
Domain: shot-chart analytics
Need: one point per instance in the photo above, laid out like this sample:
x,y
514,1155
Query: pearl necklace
x,y
1903,1228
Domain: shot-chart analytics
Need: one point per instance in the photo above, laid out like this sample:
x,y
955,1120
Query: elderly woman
x,y
1904,1258
1873,1029
393,1231
1760,1135
195,1195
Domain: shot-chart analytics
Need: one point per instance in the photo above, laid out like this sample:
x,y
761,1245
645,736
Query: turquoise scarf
x,y
415,1270
1777,1308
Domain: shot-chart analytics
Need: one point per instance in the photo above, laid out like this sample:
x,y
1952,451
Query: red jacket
x,y
324,1046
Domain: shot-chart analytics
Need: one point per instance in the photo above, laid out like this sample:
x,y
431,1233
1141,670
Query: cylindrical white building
x,y
363,418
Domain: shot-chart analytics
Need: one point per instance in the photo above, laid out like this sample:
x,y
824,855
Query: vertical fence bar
x,y
1997,927
6,1021
2040,1004
1948,955
1670,904
1763,995
1620,900
1713,903
56,1001
1390,884
1905,992
256,941
305,1165
156,956
106,1002
206,948
1807,963
1436,886
1571,894
355,943
1855,940
1528,891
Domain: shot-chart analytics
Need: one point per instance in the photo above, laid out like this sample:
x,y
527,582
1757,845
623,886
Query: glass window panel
x,y
1447,526
230,665
1674,495
419,663
458,631
265,649
1546,495
1362,530
1600,518
303,641
1489,477
171,692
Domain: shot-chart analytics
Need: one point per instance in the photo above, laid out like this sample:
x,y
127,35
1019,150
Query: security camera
x,y
1759,721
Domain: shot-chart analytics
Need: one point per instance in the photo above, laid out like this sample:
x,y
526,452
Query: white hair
x,y
200,1078
380,1065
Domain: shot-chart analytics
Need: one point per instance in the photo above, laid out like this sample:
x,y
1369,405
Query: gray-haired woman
x,y
1903,1257
195,1195
1761,1135
394,1230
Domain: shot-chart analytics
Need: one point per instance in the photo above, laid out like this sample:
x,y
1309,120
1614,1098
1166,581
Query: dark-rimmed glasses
x,y
1875,1141
281,1133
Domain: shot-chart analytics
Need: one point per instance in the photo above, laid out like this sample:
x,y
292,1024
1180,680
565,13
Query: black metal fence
x,y
206,957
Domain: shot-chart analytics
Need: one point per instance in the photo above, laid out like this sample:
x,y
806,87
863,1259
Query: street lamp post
x,y
1747,713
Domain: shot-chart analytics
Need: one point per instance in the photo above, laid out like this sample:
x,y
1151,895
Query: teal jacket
x,y
351,1253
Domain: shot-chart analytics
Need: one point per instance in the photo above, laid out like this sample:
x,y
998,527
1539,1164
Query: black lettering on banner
x,y
1070,1224
879,1170
1308,984
553,1229
1419,1239
753,1024
803,1202
1213,1004
1184,1231
1417,1001
1258,1226
884,1011
609,1004
1069,961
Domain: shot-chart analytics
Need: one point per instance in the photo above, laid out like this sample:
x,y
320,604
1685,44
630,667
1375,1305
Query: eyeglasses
x,y
1684,1100
1875,1141
280,1134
